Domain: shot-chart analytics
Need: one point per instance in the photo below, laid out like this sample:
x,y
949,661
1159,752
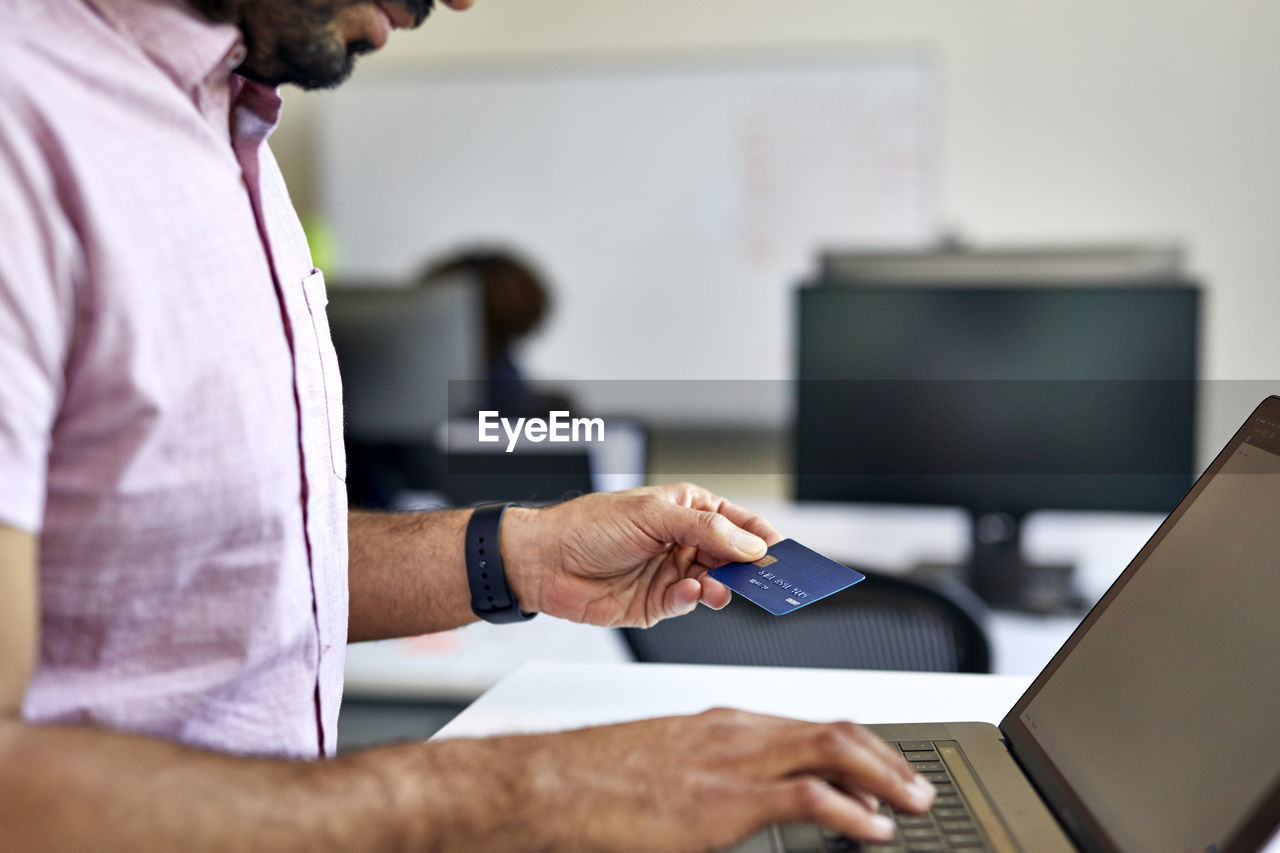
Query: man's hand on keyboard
x,y
694,783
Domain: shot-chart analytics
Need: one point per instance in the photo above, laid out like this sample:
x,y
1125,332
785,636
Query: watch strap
x,y
491,596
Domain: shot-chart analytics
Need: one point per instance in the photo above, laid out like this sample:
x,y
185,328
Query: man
x,y
178,572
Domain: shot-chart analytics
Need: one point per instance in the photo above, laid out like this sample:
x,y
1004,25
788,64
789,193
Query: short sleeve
x,y
39,255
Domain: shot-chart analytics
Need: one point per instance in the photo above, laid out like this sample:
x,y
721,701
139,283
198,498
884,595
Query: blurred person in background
x,y
517,302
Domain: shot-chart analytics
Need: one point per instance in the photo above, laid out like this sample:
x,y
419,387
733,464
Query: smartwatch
x,y
491,596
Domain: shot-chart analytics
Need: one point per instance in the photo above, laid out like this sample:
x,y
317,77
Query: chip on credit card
x,y
787,577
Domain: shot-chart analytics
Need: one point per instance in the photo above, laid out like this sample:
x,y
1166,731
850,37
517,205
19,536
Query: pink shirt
x,y
170,409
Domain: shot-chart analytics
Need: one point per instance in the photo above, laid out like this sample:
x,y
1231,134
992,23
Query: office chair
x,y
884,622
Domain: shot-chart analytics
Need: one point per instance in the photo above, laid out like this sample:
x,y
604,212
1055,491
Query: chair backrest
x,y
884,622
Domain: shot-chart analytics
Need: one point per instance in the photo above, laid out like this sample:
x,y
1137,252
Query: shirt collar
x,y
187,46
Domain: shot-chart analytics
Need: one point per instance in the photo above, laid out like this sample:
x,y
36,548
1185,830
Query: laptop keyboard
x,y
948,826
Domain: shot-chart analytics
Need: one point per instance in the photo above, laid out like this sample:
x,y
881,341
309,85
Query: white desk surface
x,y
461,665
458,666
552,696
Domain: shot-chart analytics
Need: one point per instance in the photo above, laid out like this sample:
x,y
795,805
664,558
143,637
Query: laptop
x,y
1156,727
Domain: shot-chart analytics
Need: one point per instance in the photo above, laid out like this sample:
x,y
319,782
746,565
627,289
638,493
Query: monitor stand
x,y
1004,579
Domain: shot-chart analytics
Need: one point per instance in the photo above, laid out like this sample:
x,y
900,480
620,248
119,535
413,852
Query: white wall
x,y
1066,120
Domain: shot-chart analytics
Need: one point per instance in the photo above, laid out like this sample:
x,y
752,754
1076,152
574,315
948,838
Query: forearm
x,y
77,788
639,786
627,558
408,572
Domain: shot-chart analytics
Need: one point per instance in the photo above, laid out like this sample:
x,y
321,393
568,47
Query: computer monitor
x,y
411,357
398,350
1002,400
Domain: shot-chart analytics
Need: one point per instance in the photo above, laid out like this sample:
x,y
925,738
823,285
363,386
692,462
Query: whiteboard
x,y
672,206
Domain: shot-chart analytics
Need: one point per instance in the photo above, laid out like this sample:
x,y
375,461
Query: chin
x,y
306,69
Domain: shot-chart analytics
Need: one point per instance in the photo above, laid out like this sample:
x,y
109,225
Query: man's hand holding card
x,y
788,577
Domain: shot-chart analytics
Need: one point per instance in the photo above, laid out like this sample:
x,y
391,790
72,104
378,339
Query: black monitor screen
x,y
998,399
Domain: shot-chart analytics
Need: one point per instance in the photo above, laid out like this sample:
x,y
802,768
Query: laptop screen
x,y
1161,720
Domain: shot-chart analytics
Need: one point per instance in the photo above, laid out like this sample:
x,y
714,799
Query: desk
x,y
458,666
543,697
463,664
549,696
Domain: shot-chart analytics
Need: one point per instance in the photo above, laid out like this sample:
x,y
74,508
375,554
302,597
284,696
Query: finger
x,y
878,747
684,494
842,730
808,799
850,756
714,594
748,520
680,598
714,535
781,756
880,751
869,800
696,497
858,761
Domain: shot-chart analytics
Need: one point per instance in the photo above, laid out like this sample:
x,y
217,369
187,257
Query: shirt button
x,y
237,56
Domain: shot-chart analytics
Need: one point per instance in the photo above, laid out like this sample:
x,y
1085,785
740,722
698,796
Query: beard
x,y
297,41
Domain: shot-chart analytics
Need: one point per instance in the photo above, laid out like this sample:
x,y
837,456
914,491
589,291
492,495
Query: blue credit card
x,y
787,577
